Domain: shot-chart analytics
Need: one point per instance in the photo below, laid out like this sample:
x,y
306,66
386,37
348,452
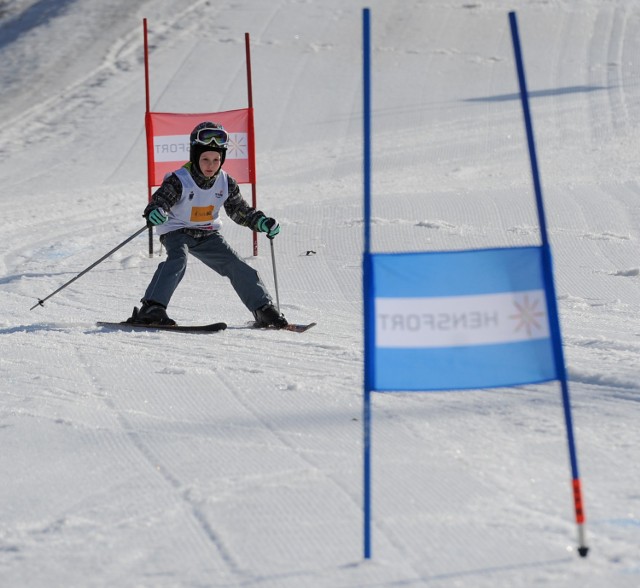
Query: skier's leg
x,y
171,271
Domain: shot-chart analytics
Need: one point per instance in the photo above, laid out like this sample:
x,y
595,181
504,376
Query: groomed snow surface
x,y
235,459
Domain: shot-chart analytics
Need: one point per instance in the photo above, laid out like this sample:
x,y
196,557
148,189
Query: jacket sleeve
x,y
239,210
167,194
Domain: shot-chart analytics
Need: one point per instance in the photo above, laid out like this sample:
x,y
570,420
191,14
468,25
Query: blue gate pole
x,y
552,305
366,281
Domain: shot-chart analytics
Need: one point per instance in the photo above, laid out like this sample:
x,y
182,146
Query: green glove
x,y
156,216
269,226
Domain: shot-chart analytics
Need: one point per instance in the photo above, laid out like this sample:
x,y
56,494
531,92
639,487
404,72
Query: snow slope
x,y
235,459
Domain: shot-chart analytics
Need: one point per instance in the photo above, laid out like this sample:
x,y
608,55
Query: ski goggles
x,y
209,135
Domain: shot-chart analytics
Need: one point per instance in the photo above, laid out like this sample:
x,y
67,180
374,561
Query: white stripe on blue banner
x,y
461,320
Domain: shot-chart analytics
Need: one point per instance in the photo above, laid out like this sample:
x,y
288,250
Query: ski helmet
x,y
207,136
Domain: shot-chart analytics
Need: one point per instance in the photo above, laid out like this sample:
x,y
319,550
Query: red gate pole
x,y
252,146
147,126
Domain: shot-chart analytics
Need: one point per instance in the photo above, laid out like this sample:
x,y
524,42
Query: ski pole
x,y
43,300
275,275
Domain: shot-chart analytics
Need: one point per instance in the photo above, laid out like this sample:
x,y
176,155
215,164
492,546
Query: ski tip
x,y
299,328
293,327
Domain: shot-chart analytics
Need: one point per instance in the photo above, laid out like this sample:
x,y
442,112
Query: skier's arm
x,y
238,209
166,195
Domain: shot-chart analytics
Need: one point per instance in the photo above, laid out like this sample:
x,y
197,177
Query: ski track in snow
x,y
158,466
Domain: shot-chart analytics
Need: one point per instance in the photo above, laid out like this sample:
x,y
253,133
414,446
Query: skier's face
x,y
209,163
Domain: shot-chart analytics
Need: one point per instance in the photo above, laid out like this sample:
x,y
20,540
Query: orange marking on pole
x,y
577,498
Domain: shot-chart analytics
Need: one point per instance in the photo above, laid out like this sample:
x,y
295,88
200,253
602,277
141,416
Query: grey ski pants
x,y
214,252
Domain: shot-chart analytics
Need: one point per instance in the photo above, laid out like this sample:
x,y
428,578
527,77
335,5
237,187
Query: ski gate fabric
x,y
168,142
460,320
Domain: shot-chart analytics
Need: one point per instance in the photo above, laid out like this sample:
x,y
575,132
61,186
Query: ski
x,y
294,327
212,328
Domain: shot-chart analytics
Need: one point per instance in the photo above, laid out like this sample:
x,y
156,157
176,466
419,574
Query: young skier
x,y
185,211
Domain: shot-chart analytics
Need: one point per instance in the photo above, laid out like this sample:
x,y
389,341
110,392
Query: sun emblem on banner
x,y
238,146
529,314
